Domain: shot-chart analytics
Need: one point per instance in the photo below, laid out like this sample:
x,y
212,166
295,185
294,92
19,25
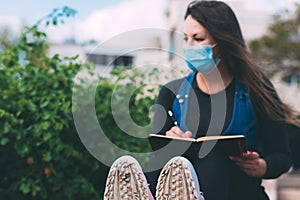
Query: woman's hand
x,y
251,163
175,131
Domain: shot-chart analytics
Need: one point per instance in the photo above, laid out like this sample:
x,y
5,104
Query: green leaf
x,y
25,186
32,107
22,149
47,157
45,125
47,136
4,141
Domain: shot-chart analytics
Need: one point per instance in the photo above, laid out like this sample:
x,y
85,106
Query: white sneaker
x,y
126,181
178,180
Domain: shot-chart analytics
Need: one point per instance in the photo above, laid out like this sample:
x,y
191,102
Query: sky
x,y
101,19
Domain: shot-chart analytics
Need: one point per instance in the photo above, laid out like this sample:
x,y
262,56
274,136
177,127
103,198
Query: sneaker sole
x,y
176,182
126,180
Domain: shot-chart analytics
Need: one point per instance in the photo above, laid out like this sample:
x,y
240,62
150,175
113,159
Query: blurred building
x,y
68,49
163,47
253,23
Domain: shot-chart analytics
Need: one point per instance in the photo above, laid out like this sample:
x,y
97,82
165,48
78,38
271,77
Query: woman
x,y
256,111
226,94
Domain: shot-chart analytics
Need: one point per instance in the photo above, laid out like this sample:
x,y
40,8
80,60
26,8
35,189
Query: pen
x,y
172,116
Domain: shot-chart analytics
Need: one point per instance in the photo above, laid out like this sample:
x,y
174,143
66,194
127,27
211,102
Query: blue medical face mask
x,y
200,58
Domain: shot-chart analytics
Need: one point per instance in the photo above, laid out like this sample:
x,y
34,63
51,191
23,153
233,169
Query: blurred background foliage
x,y
278,51
42,156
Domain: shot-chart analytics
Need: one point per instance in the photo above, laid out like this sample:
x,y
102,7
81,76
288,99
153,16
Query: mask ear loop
x,y
212,46
218,59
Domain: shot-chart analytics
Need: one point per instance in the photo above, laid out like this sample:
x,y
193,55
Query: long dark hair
x,y
220,21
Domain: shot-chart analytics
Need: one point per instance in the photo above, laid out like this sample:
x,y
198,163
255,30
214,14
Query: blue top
x,y
265,135
242,121
193,110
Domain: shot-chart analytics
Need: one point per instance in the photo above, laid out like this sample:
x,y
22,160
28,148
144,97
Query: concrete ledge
x,y
288,186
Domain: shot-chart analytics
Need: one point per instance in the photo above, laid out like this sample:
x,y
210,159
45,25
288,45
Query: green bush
x,y
42,156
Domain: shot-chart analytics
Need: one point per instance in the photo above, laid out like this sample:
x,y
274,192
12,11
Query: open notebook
x,y
233,145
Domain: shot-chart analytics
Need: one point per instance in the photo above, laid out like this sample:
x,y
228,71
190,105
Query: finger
x,y
250,172
237,158
251,155
247,166
188,134
247,161
254,173
175,132
244,161
171,133
178,132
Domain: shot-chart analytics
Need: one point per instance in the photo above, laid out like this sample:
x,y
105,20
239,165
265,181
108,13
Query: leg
x,y
213,174
126,180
